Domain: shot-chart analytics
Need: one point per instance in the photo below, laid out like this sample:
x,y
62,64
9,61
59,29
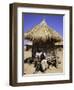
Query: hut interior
x,y
46,47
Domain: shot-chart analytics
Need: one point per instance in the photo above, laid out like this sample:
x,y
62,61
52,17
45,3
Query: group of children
x,y
42,63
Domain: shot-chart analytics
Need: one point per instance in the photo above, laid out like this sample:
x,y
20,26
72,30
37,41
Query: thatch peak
x,y
42,32
43,23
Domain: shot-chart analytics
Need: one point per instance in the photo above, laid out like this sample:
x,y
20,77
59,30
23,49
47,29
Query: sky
x,y
53,21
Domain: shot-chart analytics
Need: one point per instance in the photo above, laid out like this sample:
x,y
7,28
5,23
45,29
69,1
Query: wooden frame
x,y
13,44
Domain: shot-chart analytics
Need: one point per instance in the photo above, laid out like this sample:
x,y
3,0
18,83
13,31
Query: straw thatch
x,y
42,32
59,43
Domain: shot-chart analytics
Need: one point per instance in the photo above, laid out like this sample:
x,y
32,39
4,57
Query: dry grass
x,y
42,32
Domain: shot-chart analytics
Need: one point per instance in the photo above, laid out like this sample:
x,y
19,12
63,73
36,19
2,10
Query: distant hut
x,y
27,44
43,37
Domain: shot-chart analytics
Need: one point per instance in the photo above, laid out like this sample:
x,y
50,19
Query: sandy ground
x,y
30,69
27,54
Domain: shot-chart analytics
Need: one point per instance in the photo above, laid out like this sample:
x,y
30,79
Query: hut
x,y
43,37
27,44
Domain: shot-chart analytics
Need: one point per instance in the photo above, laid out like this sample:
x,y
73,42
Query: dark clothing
x,y
38,62
42,56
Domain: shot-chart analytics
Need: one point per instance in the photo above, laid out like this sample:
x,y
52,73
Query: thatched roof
x,y
42,32
59,43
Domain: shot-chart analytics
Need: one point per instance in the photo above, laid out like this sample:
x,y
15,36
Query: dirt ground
x,y
30,69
